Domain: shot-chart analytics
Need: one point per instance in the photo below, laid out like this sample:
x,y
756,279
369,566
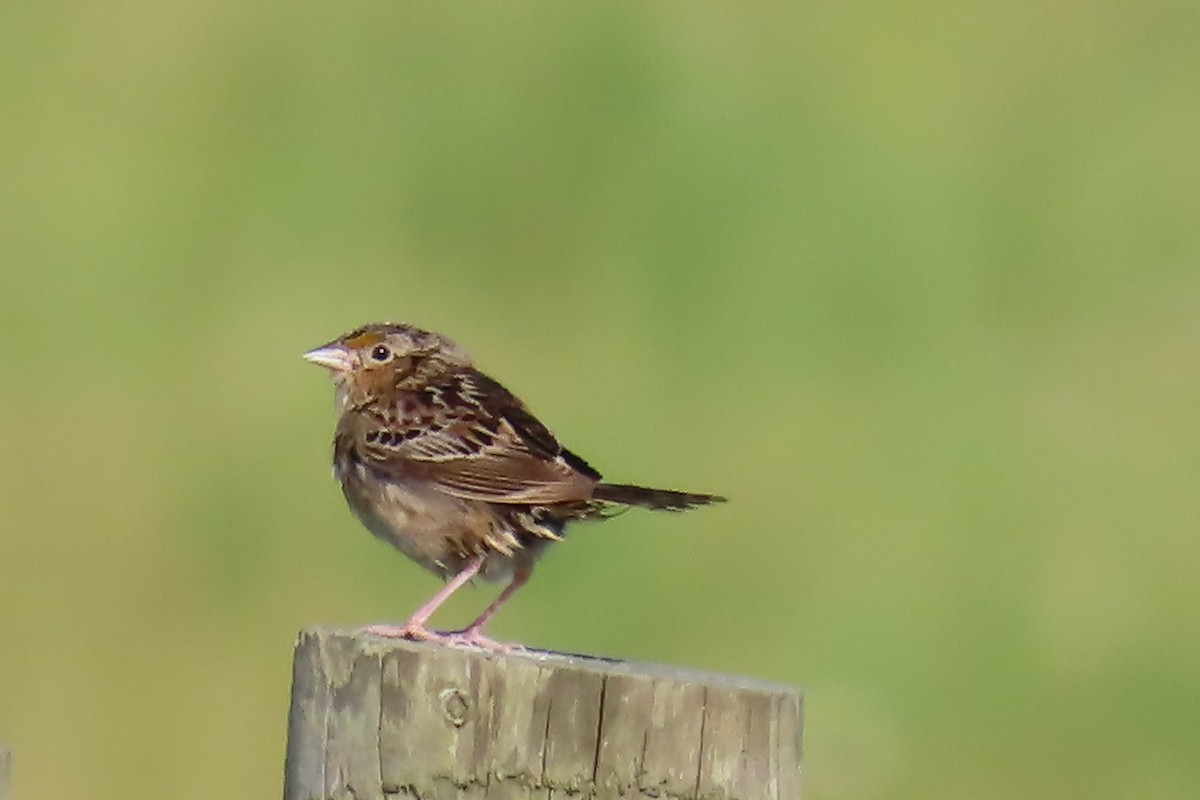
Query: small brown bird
x,y
445,464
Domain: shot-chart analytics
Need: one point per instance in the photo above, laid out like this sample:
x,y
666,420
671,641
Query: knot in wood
x,y
456,706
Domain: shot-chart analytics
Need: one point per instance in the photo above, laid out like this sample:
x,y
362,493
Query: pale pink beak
x,y
333,357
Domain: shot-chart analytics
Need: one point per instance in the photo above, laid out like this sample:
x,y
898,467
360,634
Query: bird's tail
x,y
660,499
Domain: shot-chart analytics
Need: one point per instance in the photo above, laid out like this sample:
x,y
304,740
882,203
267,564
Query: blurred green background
x,y
915,284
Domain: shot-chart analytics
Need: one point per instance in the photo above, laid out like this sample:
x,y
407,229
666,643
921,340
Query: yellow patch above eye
x,y
364,340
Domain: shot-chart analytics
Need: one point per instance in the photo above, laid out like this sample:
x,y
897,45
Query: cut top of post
x,y
374,717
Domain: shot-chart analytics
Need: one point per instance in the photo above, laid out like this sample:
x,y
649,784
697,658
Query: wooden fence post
x,y
377,719
5,771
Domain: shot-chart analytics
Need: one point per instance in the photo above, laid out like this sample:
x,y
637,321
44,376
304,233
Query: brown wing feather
x,y
482,446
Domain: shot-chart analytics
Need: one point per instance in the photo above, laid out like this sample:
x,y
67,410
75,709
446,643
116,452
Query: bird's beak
x,y
333,357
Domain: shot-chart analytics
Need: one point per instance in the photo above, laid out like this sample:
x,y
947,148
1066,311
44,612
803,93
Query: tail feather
x,y
660,499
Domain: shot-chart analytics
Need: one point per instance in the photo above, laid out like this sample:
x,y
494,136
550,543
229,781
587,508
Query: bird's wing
x,y
473,439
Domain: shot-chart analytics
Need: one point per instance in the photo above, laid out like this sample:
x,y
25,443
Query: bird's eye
x,y
380,353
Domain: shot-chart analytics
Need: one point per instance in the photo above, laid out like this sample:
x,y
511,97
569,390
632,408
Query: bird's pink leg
x,y
415,627
473,633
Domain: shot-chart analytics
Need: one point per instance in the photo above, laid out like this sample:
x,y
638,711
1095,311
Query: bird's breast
x,y
436,530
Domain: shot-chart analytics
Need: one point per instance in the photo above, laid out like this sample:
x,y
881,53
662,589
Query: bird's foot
x,y
470,637
409,630
467,637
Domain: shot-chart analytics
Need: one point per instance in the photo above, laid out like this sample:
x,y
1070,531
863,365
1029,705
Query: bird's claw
x,y
417,633
473,638
464,638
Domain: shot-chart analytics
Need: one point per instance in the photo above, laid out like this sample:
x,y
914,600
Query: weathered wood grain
x,y
379,719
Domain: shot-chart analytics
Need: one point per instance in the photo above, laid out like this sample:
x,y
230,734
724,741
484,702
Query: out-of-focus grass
x,y
916,287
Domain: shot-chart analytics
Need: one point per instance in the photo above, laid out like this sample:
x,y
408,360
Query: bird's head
x,y
382,358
